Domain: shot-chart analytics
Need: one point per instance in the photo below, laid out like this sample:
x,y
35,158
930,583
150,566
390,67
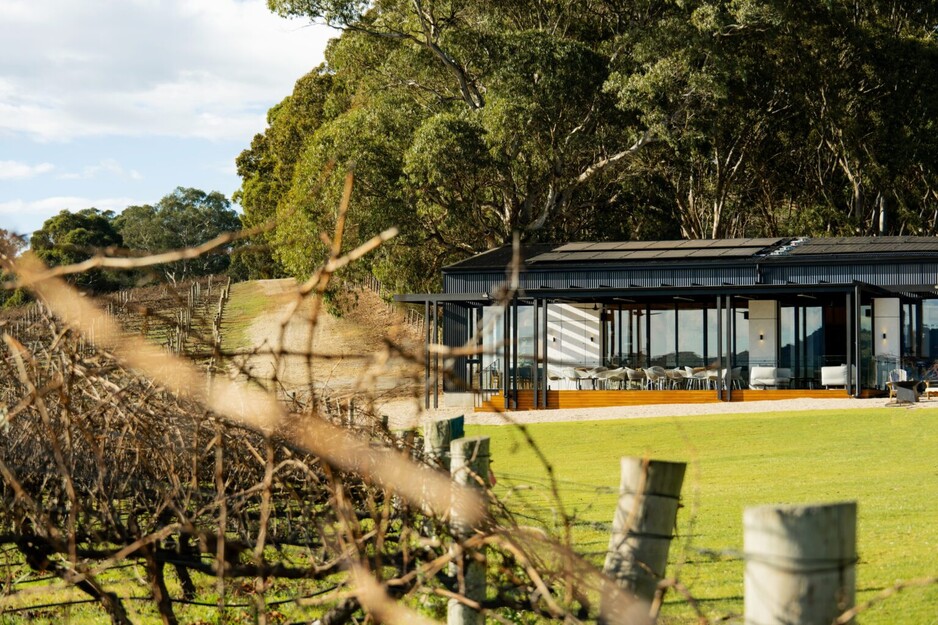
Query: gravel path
x,y
405,414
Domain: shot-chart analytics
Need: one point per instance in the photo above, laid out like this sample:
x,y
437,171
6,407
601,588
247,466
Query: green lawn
x,y
886,459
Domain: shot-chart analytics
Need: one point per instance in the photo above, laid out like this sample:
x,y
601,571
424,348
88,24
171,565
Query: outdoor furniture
x,y
931,388
906,391
736,377
571,379
554,378
676,378
655,377
761,377
893,377
636,378
701,379
837,375
585,374
610,377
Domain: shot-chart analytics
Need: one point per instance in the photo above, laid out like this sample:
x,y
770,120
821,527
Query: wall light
x,y
884,336
761,336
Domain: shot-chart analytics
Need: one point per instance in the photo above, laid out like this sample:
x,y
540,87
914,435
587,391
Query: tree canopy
x,y
466,121
184,218
69,238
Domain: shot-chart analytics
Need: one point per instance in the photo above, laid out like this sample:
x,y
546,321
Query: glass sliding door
x,y
801,343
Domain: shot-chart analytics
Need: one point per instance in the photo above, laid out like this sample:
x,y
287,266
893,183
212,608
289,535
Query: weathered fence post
x,y
642,528
469,467
437,436
800,563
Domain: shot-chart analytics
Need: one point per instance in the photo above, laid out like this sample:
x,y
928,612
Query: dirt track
x,y
347,354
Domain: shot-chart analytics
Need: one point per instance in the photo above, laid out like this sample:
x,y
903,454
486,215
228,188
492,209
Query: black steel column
x,y
426,354
849,323
719,344
856,337
506,353
436,355
647,335
514,352
535,374
545,360
728,376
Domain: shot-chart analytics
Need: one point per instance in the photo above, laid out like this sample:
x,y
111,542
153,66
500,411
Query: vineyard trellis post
x,y
642,529
800,563
469,458
438,435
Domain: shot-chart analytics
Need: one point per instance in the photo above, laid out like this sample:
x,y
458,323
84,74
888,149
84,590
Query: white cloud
x,y
181,68
11,170
107,166
22,216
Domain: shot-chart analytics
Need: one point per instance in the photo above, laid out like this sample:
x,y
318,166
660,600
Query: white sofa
x,y
761,377
837,376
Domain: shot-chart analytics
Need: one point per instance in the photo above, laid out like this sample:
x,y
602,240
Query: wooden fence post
x,y
469,468
800,563
642,528
437,436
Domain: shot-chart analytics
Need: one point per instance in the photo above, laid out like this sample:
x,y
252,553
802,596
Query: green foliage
x,y
69,238
465,122
184,218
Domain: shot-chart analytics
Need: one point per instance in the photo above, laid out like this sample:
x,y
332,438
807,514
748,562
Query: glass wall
x,y
740,337
691,337
492,330
669,335
801,343
662,347
930,330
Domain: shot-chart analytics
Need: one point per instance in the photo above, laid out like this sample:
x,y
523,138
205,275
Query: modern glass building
x,y
739,319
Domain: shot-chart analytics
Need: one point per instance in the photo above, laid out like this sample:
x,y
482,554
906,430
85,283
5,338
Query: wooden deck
x,y
602,399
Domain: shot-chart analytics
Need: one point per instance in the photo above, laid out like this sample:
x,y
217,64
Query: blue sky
x,y
109,103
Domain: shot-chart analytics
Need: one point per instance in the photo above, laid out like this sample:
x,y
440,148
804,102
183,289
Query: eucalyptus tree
x,y
184,218
465,121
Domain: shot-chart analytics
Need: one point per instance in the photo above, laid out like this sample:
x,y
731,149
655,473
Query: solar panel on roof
x,y
573,247
739,252
604,247
632,245
641,254
549,256
659,245
764,241
673,254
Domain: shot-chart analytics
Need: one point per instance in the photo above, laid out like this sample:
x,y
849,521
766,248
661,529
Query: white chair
x,y
761,377
656,377
897,375
837,375
610,377
585,374
737,377
676,378
571,379
554,378
636,378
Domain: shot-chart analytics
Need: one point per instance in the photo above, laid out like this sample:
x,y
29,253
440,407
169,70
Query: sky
x,y
111,103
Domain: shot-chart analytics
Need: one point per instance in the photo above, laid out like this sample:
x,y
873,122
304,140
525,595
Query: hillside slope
x,y
342,355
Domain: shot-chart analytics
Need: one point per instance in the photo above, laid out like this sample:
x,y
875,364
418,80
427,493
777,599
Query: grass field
x,y
885,459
